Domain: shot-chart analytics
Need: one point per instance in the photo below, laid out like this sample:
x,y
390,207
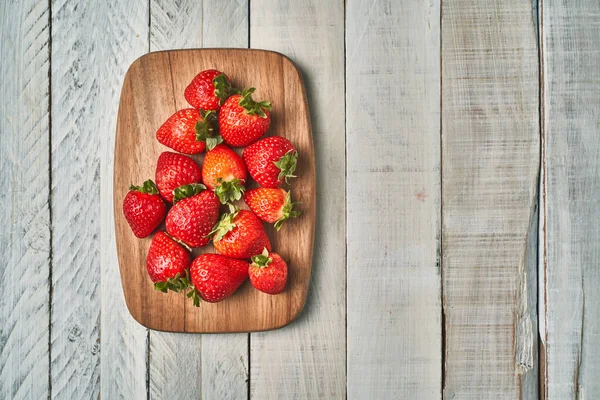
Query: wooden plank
x,y
215,365
571,187
24,215
307,358
393,147
86,77
490,162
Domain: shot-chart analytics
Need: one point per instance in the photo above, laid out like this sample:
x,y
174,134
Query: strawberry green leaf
x,y
224,225
205,129
195,296
287,165
262,260
252,107
287,211
185,191
177,284
149,187
228,191
223,88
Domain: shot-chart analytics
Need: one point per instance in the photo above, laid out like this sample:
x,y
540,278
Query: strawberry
x,y
194,213
166,263
268,272
189,131
273,205
242,120
224,172
208,90
216,277
271,160
144,209
174,170
240,234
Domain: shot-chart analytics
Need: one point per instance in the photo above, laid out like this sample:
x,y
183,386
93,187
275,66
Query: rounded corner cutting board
x,y
152,91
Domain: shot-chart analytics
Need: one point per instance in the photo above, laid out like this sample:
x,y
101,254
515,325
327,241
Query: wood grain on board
x,y
151,86
569,241
308,358
490,163
393,145
216,366
24,199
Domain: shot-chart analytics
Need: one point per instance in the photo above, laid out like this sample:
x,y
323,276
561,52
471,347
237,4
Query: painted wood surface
x,y
393,146
65,331
490,158
307,359
571,97
24,199
216,366
123,29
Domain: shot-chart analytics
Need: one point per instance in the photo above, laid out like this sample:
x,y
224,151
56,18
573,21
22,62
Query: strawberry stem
x,y
252,107
287,165
288,211
223,88
228,191
185,191
149,187
225,224
205,129
261,260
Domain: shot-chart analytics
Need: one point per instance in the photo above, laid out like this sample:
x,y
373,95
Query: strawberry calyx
x,y
195,296
148,187
223,88
185,191
205,129
228,191
252,107
287,211
180,284
176,284
261,260
287,165
225,223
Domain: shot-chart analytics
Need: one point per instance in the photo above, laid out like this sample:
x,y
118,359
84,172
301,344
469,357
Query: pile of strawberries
x,y
220,116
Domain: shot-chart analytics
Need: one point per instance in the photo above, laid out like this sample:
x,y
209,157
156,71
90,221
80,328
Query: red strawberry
x,y
268,272
208,90
242,120
271,160
166,263
144,209
194,213
174,170
273,205
216,277
224,172
189,131
240,234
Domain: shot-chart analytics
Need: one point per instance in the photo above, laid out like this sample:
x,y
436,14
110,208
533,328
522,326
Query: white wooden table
x,y
458,155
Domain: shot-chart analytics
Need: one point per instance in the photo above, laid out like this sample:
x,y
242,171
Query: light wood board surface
x,y
459,81
570,35
490,164
25,213
153,91
393,149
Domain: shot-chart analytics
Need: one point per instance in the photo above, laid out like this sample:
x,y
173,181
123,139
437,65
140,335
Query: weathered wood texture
x,y
24,200
215,366
393,145
307,358
490,158
570,239
93,45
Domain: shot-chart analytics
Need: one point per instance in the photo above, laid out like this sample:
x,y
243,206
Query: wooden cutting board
x,y
153,91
